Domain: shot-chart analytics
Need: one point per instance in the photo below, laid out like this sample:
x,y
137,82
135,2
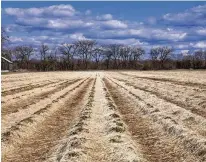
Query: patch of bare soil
x,y
191,84
23,104
24,88
156,145
38,143
107,116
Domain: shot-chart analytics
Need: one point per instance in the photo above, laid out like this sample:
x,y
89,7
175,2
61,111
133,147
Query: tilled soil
x,y
103,117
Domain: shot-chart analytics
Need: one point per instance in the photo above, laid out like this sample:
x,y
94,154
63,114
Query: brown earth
x,y
108,116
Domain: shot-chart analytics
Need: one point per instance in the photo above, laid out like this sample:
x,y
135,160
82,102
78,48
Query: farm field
x,y
104,116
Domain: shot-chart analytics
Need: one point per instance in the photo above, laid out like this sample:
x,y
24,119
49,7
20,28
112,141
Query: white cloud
x,y
201,31
168,35
114,24
55,10
64,24
15,39
200,8
71,25
182,46
184,52
193,16
201,44
35,21
77,36
188,45
105,17
146,33
130,41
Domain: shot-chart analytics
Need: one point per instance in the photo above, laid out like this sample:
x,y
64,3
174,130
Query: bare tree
x,y
199,59
23,54
161,54
86,54
124,53
107,54
69,50
154,53
5,38
84,48
204,55
136,53
52,59
97,54
44,49
29,52
115,51
165,52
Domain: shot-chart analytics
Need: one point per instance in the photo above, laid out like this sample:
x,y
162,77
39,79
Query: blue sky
x,y
181,25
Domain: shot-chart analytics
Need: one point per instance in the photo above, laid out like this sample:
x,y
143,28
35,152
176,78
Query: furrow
x,y
30,100
191,84
12,124
177,114
26,88
18,96
47,128
182,140
99,134
187,101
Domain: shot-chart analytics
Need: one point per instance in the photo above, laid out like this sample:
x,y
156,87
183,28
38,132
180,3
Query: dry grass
x,y
36,144
96,116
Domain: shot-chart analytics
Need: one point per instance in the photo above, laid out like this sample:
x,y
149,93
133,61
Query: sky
x,y
180,25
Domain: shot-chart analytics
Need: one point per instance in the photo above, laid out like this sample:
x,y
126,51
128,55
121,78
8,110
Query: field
x,y
122,116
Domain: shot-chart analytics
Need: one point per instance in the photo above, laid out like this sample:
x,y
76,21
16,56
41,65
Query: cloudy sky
x,y
181,25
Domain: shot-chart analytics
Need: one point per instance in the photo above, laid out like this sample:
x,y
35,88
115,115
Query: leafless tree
x,y
125,54
154,53
69,50
115,52
52,59
107,55
165,52
161,54
204,55
84,49
5,52
136,53
199,59
23,53
86,54
97,55
4,37
44,51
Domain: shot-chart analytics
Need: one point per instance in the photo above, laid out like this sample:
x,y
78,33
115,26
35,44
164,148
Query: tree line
x,y
88,54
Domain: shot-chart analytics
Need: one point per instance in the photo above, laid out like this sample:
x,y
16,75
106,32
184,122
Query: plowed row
x,y
104,117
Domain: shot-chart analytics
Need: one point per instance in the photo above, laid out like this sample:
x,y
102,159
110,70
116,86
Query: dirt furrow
x,y
26,88
191,84
189,101
23,118
19,79
47,128
99,134
174,112
9,99
162,136
9,86
30,100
